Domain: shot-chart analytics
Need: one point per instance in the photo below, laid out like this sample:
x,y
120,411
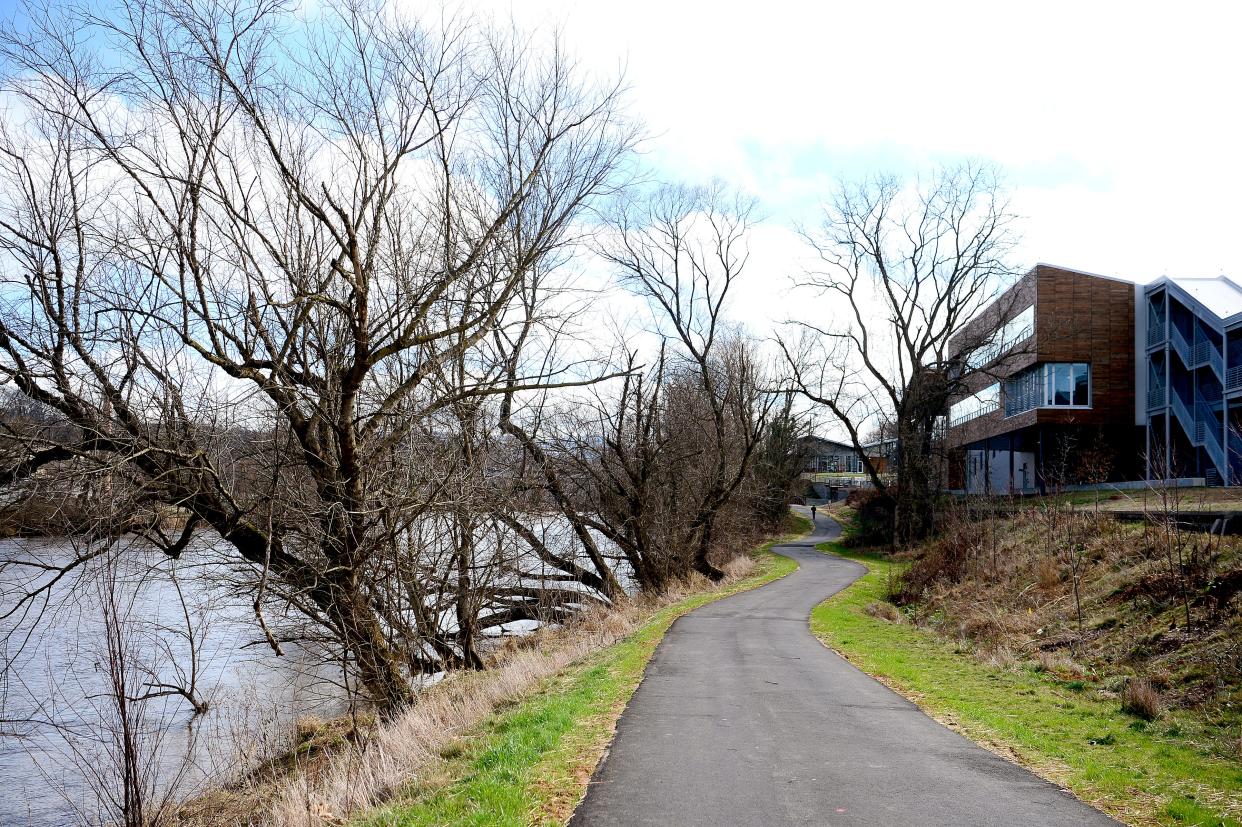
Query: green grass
x,y
1141,773
530,764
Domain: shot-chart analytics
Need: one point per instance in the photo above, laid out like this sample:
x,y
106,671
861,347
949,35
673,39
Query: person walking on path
x,y
812,513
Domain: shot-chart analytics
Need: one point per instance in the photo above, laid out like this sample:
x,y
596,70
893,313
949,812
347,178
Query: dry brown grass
x,y
1188,499
362,772
1048,574
1012,590
1061,665
1141,699
884,611
999,657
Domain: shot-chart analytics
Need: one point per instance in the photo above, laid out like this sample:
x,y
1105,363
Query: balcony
x,y
1233,380
982,410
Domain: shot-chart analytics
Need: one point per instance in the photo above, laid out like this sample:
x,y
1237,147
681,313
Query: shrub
x,y
1140,699
873,518
943,560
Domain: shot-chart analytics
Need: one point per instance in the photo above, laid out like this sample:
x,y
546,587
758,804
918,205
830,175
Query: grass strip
x,y
1139,772
530,764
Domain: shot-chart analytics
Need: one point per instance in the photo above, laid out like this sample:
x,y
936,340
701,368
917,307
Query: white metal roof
x,y
1219,294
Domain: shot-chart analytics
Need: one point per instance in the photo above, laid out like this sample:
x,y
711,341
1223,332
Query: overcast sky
x,y
1116,124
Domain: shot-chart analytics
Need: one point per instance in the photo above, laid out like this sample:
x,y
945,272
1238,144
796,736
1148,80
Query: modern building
x,y
1050,392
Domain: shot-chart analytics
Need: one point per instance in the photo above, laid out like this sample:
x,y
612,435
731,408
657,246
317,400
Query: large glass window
x,y
975,405
1024,391
1007,336
1082,384
1068,385
1051,385
1060,385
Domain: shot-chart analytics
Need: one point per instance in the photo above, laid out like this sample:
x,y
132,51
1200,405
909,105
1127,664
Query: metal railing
x,y
982,410
1205,353
1180,345
1233,379
1208,432
1182,413
1155,398
1155,334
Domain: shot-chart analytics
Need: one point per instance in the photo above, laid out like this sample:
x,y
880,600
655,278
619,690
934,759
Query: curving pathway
x,y
744,718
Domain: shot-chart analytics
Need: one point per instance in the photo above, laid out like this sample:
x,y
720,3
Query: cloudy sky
x,y
1116,124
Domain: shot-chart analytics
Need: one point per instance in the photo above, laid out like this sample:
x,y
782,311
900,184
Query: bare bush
x,y
883,611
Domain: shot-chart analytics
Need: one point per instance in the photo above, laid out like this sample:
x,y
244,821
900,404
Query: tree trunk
x,y
913,515
702,564
379,668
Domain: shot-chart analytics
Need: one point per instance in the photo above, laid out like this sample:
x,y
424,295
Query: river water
x,y
54,751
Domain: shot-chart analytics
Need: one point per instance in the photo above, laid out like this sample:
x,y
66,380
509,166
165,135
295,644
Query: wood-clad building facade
x,y
1050,398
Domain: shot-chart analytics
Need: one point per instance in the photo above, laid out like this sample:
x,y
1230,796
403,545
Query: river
x,y
54,752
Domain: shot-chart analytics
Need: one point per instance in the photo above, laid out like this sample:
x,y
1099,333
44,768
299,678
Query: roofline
x,y
1166,280
832,442
1082,272
1178,279
1029,272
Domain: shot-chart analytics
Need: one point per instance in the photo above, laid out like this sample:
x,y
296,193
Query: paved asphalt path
x,y
744,718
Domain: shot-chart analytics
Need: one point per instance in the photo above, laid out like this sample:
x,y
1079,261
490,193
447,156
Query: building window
x,y
975,405
1051,385
1068,385
1024,391
1008,336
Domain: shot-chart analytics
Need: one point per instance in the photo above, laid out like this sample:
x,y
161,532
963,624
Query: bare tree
x,y
682,249
99,736
906,268
246,242
782,455
644,468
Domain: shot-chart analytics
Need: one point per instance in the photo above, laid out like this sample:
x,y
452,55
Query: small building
x,y
826,456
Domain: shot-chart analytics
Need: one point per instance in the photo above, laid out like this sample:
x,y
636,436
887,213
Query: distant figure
x,y
812,513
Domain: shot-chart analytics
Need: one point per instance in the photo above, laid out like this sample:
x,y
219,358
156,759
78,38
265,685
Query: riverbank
x,y
1062,718
512,744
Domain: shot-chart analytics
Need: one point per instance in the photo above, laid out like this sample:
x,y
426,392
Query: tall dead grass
x,y
366,772
1141,699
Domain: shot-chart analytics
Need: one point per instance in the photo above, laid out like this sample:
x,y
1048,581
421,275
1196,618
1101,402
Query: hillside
x,y
1156,607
